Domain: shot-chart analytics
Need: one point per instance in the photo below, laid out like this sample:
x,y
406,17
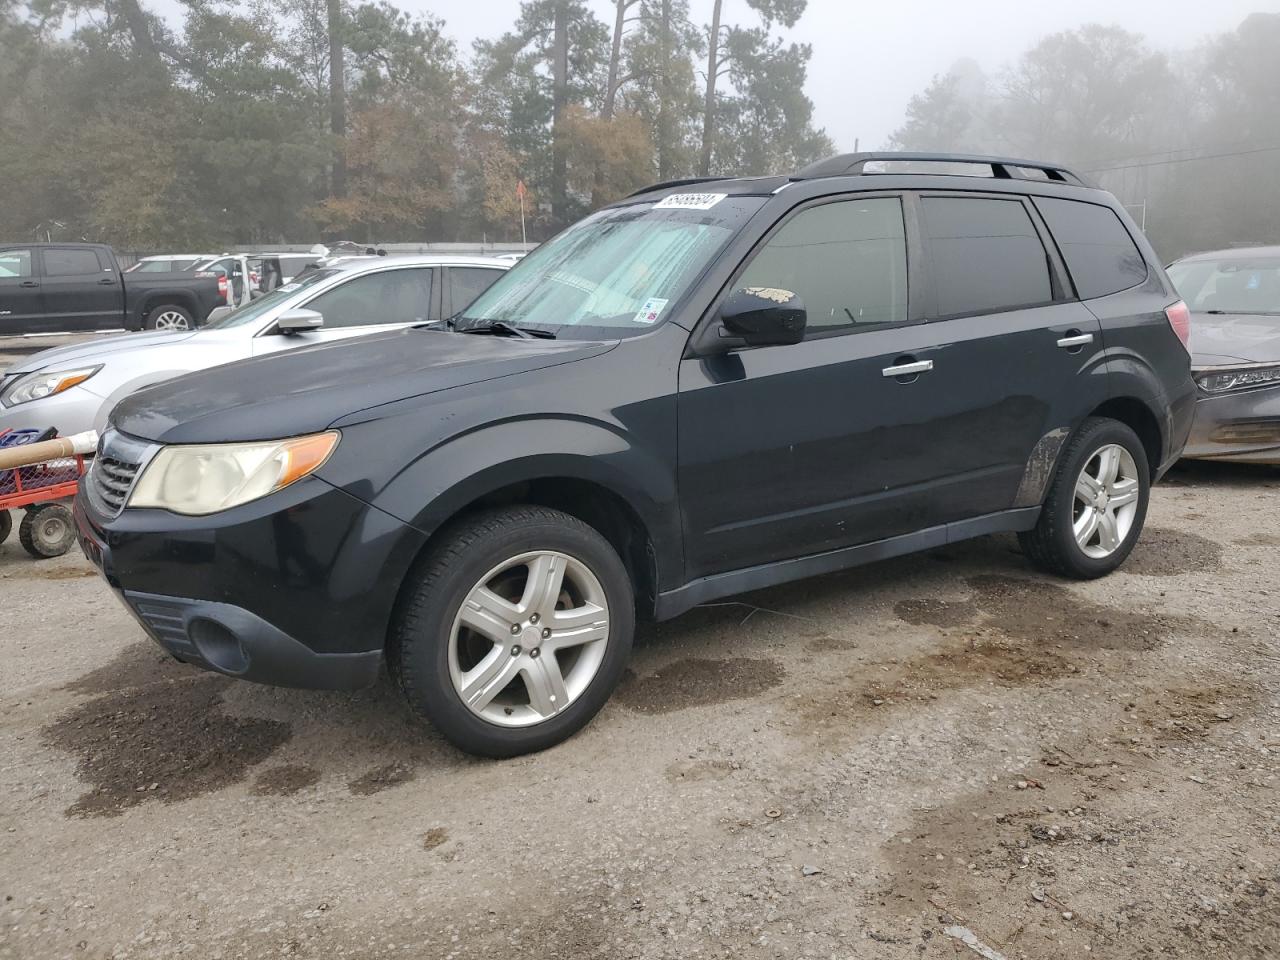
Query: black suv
x,y
707,388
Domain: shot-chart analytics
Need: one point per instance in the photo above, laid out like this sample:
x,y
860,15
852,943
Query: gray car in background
x,y
1234,297
74,388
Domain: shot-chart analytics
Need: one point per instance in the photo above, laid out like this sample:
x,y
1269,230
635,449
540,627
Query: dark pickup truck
x,y
48,287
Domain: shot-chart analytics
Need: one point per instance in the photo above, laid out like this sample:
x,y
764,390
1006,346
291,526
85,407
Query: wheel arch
x,y
1138,416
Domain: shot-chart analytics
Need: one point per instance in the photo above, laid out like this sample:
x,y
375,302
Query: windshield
x,y
618,272
257,308
1235,285
161,266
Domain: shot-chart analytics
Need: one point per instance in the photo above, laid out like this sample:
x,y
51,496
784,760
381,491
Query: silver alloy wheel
x,y
1106,501
529,638
171,320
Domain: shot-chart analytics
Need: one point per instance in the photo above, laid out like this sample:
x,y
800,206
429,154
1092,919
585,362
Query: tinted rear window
x,y
1100,254
986,255
62,262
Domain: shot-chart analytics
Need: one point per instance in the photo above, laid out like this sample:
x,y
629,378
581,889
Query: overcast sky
x,y
870,56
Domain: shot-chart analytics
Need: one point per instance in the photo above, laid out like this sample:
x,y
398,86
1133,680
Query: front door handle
x,y
107,280
28,283
1072,341
908,369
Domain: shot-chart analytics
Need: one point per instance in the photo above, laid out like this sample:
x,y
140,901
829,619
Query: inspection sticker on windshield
x,y
689,201
651,310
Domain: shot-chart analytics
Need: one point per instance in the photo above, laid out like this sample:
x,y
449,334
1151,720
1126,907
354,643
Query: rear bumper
x,y
296,589
1242,427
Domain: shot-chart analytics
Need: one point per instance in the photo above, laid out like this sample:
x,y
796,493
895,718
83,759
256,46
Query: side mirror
x,y
300,320
764,316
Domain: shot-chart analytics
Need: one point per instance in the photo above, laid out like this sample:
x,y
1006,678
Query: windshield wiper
x,y
501,328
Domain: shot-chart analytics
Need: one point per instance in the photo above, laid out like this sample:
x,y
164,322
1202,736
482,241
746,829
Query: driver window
x,y
847,261
389,296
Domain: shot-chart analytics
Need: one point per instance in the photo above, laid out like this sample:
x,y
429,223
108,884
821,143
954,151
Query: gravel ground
x,y
924,758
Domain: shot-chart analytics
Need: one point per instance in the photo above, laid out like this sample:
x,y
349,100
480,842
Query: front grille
x,y
114,471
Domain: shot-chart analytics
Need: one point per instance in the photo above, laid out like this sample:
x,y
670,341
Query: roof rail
x,y
665,184
1002,168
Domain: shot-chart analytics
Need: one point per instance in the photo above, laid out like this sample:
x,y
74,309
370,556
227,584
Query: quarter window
x,y
70,263
986,255
1099,252
389,296
847,261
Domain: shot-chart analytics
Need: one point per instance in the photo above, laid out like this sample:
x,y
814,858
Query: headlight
x,y
206,478
44,384
1223,381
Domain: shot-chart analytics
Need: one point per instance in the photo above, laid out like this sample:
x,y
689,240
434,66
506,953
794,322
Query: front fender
x,y
436,484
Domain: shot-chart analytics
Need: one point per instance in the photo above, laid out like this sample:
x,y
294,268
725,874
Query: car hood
x,y
93,351
305,390
1218,339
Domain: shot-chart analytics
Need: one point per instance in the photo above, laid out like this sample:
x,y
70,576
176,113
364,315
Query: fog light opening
x,y
219,647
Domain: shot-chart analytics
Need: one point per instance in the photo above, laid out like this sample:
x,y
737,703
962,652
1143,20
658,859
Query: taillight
x,y
1180,319
222,288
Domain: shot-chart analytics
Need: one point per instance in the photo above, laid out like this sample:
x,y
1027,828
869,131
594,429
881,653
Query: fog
x,y
154,124
869,58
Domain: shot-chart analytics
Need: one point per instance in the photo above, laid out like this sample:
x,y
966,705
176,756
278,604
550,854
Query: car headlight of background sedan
x,y
205,478
1241,378
44,383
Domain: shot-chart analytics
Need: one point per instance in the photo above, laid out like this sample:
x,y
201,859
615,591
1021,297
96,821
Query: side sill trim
x,y
672,603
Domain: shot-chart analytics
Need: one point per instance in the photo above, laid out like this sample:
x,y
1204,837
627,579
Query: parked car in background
x,y
1234,298
167,263
692,393
74,388
243,277
53,287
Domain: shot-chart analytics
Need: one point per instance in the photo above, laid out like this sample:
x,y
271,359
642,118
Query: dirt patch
x,y
34,571
1042,612
688,771
137,665
1258,540
285,781
1161,552
164,741
382,778
1190,713
434,837
695,682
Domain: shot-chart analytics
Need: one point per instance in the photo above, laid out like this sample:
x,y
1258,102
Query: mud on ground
x,y
846,767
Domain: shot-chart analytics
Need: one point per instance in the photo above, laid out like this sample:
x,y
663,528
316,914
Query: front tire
x,y
1096,507
170,316
47,531
511,635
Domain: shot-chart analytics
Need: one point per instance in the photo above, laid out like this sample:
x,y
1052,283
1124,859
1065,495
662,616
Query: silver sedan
x,y
1234,297
74,388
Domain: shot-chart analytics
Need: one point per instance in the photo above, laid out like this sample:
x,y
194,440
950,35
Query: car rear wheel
x,y
169,317
47,530
512,634
1097,504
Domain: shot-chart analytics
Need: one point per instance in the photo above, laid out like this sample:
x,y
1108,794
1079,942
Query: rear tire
x,y
6,525
1096,506
47,531
513,632
170,316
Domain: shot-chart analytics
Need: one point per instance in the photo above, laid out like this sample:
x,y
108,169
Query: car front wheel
x,y
512,634
1096,507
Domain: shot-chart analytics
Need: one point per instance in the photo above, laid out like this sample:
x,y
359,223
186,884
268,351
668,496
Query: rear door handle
x,y
908,369
107,280
1078,340
28,283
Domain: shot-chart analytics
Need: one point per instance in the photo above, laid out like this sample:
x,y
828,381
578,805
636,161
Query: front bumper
x,y
296,589
1242,427
72,411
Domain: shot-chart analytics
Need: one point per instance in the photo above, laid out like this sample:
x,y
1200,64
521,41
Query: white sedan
x,y
74,388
